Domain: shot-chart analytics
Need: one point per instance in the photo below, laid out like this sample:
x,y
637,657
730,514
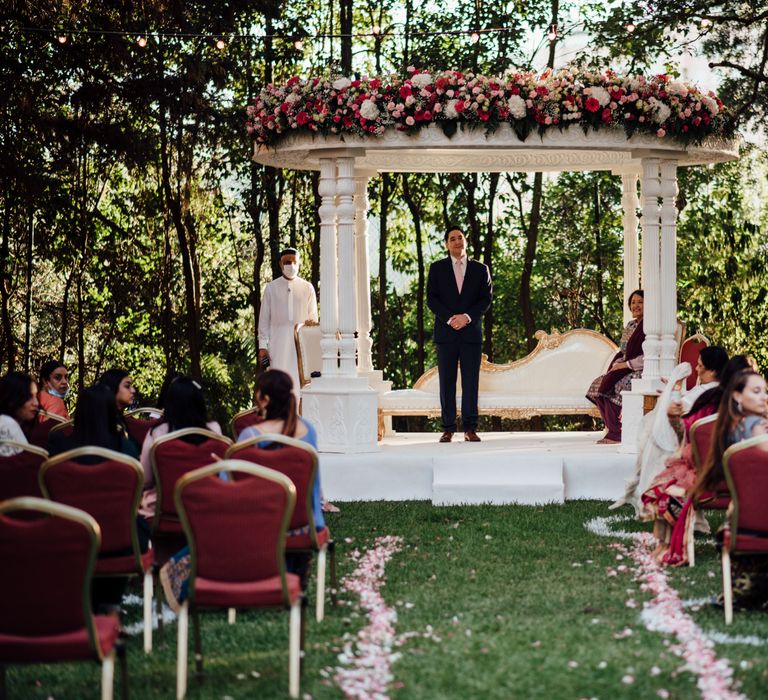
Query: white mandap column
x,y
629,204
633,401
363,275
668,269
339,403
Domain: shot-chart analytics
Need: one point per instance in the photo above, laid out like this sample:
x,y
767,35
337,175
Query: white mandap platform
x,y
530,468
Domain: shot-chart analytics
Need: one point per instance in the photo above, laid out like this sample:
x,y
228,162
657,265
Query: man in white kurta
x,y
286,301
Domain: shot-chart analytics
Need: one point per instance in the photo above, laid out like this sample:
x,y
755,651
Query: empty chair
x,y
107,485
236,531
140,421
298,461
701,443
245,419
746,529
37,626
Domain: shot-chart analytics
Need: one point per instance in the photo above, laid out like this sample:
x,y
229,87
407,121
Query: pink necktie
x,y
457,274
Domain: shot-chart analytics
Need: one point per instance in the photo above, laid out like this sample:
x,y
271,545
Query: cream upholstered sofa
x,y
552,380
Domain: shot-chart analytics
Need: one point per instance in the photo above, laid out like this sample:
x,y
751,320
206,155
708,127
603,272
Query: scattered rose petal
x,y
628,680
573,664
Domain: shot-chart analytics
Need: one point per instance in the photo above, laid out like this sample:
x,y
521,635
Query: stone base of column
x,y
344,410
631,415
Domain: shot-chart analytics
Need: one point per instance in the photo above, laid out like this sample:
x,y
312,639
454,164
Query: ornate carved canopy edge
x,y
430,150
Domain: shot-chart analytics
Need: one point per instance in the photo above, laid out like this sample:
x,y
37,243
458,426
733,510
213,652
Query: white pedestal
x,y
344,411
631,415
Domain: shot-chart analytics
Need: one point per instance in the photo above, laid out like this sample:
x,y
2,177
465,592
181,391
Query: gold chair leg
x,y
320,602
108,676
727,586
182,625
294,649
148,586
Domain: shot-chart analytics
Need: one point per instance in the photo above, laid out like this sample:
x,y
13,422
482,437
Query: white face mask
x,y
290,270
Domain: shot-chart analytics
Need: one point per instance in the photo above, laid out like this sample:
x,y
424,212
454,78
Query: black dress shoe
x,y
471,436
447,436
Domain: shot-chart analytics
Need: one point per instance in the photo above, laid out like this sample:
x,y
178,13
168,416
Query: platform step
x,y
526,478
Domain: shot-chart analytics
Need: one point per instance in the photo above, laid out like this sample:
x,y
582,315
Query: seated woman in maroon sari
x,y
605,391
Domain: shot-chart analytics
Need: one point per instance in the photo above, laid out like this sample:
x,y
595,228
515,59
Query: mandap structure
x,y
640,129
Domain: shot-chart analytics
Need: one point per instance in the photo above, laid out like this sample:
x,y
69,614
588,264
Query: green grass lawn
x,y
512,594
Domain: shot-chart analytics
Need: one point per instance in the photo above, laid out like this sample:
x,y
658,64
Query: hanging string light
x,y
61,39
298,44
220,44
142,41
474,37
630,26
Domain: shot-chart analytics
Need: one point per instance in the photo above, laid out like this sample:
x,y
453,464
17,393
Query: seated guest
x,y
96,424
18,406
708,367
741,415
120,383
667,498
275,398
54,388
184,405
605,391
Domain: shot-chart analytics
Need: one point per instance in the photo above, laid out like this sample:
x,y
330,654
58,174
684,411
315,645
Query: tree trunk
x,y
6,287
415,210
488,260
470,186
532,236
345,30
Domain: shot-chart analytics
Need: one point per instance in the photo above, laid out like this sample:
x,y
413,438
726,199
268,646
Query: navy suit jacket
x,y
444,300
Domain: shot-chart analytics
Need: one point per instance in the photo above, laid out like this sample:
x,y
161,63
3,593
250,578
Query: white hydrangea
x,y
369,110
292,98
341,83
710,104
677,87
421,80
600,94
661,111
450,109
517,107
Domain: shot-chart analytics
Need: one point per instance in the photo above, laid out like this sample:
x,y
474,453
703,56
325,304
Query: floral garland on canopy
x,y
661,105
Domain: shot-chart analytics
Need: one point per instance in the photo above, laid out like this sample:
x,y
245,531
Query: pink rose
x,y
661,133
410,121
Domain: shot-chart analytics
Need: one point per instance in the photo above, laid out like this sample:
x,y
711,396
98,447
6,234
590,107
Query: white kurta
x,y
284,304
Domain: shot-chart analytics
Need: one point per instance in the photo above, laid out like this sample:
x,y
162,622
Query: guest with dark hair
x,y
120,384
18,406
54,388
97,424
185,407
170,378
710,364
627,364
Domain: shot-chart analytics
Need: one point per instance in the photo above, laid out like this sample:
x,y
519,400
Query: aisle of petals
x,y
365,672
665,613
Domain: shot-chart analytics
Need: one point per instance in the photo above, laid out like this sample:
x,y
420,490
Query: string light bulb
x,y
142,41
298,44
474,37
61,39
552,33
630,26
220,44
706,23
376,29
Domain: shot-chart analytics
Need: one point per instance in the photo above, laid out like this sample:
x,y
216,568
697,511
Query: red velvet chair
x,y
689,352
746,530
45,596
37,431
140,421
245,419
107,487
298,461
172,456
18,472
701,443
236,531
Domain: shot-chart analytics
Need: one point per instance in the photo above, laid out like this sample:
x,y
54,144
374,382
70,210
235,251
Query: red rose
x,y
607,115
292,81
592,104
302,118
336,118
541,90
685,128
375,83
427,116
460,106
616,94
355,83
348,122
514,90
706,119
484,116
285,107
405,90
697,121
440,83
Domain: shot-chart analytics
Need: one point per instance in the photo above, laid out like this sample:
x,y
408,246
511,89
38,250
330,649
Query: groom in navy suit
x,y
459,292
